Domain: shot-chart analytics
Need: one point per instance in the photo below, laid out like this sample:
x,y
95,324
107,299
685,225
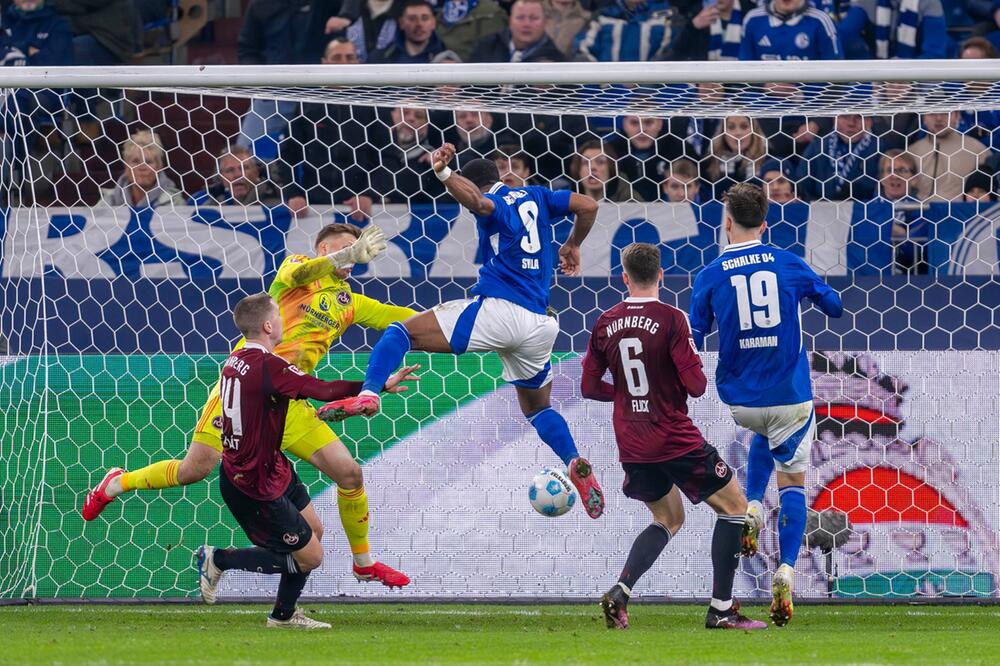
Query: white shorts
x,y
522,339
790,431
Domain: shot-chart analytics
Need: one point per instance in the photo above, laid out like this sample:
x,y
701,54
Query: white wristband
x,y
444,174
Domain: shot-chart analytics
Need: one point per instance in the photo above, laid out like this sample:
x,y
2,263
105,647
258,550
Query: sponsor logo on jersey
x,y
319,317
323,303
344,297
802,40
290,538
721,469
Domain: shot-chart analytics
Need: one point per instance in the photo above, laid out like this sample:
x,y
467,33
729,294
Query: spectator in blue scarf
x,y
895,29
841,165
630,30
714,33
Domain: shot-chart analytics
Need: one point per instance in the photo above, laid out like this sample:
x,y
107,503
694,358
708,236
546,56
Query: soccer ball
x,y
551,493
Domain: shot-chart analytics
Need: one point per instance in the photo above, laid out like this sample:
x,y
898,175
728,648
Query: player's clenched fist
x,y
443,156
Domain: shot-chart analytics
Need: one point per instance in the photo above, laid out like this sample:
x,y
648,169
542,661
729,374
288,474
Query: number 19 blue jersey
x,y
755,291
515,242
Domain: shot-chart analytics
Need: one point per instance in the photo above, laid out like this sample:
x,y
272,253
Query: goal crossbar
x,y
705,89
499,74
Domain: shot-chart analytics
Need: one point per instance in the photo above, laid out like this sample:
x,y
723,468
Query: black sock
x,y
289,590
725,555
259,560
645,549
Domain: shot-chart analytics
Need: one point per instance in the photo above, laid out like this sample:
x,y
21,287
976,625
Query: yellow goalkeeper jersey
x,y
315,312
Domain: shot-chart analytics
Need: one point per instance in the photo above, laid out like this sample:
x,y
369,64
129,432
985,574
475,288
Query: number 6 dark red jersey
x,y
654,366
255,390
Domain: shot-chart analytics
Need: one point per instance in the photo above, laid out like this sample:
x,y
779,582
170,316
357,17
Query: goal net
x,y
139,204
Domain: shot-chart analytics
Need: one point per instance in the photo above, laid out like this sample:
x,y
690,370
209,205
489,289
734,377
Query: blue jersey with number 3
x,y
755,291
515,242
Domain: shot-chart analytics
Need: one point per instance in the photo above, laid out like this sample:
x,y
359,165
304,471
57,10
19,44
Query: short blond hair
x,y
144,143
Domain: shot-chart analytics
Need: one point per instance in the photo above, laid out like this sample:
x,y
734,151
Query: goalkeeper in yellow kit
x,y
316,305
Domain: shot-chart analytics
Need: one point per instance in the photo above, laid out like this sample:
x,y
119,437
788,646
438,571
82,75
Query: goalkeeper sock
x,y
258,560
552,428
760,464
353,508
791,522
725,558
386,357
161,474
289,591
645,549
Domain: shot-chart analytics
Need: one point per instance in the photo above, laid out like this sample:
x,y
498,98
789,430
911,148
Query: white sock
x,y
721,605
625,589
363,560
114,488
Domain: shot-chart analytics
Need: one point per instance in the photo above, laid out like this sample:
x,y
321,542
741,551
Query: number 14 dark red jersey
x,y
255,389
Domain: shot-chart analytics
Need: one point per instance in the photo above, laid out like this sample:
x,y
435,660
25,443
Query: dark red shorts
x,y
275,524
698,474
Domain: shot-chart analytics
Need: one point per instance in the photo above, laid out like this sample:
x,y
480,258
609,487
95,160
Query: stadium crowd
x,y
312,155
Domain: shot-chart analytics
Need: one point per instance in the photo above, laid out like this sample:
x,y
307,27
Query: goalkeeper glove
x,y
369,245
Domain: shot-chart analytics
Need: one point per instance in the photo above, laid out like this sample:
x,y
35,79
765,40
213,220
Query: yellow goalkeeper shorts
x,y
304,433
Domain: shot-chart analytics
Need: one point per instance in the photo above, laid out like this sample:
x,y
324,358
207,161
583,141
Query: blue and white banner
x,y
428,241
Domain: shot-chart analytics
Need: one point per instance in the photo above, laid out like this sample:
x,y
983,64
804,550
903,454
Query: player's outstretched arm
x,y
584,209
461,188
369,245
376,314
291,382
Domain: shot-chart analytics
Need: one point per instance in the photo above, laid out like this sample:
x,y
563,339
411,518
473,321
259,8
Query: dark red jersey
x,y
654,366
255,390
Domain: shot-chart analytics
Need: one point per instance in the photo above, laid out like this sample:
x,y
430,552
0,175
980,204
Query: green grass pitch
x,y
389,633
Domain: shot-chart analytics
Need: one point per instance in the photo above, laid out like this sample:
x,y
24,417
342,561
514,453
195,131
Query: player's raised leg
x,y
668,518
197,464
420,332
760,466
536,405
484,325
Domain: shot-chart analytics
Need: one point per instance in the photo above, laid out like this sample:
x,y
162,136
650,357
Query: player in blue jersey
x,y
755,291
508,314
789,30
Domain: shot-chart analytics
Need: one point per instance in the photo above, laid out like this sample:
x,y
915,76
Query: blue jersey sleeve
x,y
816,289
748,41
500,219
558,203
702,316
829,47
